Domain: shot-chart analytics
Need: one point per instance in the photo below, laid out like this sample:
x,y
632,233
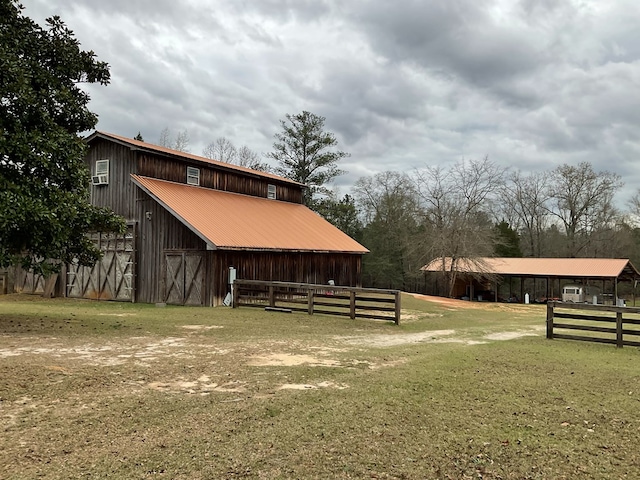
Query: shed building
x,y
484,276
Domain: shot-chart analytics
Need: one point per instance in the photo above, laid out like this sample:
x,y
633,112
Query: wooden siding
x,y
119,194
210,177
317,268
157,234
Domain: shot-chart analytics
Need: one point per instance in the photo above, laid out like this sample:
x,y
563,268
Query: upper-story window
x,y
101,175
271,192
193,176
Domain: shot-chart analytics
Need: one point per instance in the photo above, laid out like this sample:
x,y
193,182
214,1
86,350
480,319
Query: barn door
x,y
184,278
111,278
29,282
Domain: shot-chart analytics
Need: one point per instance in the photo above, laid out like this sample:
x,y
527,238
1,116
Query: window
x,y
193,176
101,176
271,192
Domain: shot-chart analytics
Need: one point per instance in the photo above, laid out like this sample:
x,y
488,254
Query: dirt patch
x,y
201,327
306,386
455,304
289,360
138,350
513,335
202,386
449,303
393,340
436,336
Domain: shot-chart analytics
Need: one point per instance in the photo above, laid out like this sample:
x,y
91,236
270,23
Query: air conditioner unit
x,y
100,180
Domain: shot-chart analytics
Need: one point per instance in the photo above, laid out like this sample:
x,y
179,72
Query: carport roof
x,y
540,267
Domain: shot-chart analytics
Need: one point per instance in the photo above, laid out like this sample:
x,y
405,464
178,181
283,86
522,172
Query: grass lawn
x,y
457,390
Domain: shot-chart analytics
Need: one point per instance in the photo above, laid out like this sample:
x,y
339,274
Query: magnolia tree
x,y
44,183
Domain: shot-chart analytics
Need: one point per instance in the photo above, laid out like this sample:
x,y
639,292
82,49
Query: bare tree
x,y
222,150
165,138
250,159
524,200
225,151
582,201
180,143
455,206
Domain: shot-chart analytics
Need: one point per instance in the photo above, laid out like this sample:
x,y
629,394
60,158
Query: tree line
x,y
476,208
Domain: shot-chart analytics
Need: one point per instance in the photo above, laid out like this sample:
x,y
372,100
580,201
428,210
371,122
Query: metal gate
x,y
111,278
184,278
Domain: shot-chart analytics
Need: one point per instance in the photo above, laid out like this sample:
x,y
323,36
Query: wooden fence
x,y
350,302
619,326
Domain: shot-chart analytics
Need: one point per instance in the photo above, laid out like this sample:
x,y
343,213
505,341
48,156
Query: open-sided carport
x,y
473,273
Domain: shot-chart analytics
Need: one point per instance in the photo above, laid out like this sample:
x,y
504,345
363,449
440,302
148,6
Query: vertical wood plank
x,y
550,320
398,306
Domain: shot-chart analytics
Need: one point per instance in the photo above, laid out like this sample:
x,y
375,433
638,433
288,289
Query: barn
x,y
190,219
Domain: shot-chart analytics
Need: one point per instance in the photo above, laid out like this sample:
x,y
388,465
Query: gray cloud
x,y
403,84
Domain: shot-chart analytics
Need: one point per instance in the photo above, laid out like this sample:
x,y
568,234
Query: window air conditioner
x,y
100,180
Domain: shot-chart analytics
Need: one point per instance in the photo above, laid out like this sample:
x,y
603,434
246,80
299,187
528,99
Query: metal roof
x,y
540,267
232,221
138,145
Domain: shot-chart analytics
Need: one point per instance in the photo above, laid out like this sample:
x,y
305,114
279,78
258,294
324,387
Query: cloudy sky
x,y
402,84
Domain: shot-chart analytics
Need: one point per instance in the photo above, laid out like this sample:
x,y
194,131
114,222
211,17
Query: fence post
x,y
397,319
550,320
352,304
236,294
272,300
310,295
619,340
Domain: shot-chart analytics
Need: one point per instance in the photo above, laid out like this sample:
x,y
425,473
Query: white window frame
x,y
193,176
101,173
271,192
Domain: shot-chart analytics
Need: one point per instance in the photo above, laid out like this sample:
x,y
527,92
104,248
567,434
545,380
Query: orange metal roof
x,y
543,267
233,221
158,149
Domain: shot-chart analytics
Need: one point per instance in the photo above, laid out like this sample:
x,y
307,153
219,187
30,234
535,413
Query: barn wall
x,y
344,269
210,177
161,232
119,194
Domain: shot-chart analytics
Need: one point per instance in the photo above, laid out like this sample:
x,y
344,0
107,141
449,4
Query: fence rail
x,y
352,302
619,326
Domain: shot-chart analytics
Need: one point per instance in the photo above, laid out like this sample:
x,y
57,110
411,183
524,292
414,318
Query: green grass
x,y
97,389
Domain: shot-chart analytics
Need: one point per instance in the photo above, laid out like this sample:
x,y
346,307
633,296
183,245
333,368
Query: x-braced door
x,y
111,278
184,278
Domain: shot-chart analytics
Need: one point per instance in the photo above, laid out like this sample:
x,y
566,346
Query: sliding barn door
x,y
112,277
184,278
